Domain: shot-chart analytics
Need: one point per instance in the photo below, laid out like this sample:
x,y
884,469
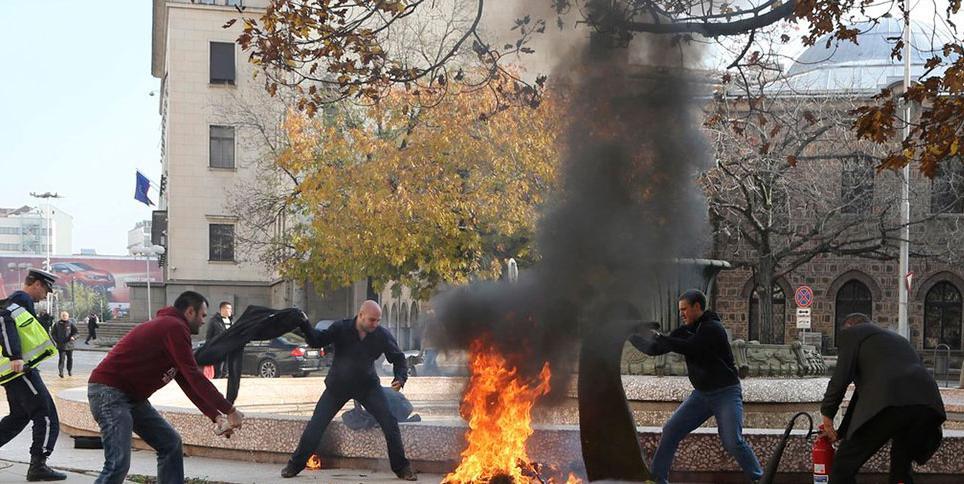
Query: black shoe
x,y
38,470
69,373
290,470
407,474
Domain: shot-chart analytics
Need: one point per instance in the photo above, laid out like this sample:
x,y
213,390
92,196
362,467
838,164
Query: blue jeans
x,y
726,404
118,416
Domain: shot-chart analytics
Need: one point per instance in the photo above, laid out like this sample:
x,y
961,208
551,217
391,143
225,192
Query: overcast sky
x,y
76,115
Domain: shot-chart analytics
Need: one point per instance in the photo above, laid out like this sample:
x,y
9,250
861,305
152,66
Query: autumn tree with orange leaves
x,y
335,49
421,196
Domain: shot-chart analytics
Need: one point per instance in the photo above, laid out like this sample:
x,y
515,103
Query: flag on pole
x,y
140,189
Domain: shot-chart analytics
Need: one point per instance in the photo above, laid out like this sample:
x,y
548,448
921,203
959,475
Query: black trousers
x,y
29,401
91,334
900,425
330,403
62,356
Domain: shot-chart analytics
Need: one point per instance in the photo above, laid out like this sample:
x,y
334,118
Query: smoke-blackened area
x,y
629,200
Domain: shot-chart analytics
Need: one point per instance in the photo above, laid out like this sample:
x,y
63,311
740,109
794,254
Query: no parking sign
x,y
803,297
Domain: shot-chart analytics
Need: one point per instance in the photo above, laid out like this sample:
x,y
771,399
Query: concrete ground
x,y
82,465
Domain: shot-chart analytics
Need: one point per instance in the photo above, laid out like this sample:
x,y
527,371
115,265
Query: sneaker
x,y
407,474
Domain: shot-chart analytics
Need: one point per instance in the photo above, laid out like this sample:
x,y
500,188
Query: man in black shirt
x,y
358,342
717,391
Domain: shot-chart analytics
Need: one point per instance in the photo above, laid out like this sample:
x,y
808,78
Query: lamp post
x,y
148,252
903,326
49,239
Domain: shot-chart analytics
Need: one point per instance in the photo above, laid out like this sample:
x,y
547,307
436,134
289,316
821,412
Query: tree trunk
x,y
763,278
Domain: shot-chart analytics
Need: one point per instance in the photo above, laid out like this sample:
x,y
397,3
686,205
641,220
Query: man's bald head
x,y
369,315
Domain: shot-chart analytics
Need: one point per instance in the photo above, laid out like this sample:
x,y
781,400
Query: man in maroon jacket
x,y
147,358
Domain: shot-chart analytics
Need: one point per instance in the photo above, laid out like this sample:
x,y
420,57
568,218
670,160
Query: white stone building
x,y
34,230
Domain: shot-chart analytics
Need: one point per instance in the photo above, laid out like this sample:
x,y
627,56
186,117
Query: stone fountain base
x,y
278,409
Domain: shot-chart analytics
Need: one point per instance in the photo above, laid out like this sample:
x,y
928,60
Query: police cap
x,y
43,276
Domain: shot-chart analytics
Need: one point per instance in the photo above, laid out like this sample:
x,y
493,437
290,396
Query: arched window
x,y
853,297
386,314
779,315
416,328
942,316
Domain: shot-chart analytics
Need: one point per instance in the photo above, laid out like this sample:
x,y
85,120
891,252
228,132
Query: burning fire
x,y
498,408
314,462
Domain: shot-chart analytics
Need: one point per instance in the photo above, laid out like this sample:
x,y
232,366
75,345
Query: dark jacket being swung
x,y
704,344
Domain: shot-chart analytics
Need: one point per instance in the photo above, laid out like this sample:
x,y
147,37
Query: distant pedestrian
x,y
63,334
91,328
45,319
218,324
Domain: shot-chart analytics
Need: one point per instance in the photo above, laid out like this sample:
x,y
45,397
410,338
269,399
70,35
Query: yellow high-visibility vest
x,y
35,343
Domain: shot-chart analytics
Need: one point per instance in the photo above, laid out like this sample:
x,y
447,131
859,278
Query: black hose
x,y
774,462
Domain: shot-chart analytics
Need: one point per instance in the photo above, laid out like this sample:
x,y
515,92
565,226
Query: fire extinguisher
x,y
822,459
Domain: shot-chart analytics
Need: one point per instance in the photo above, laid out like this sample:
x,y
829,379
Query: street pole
x,y
902,324
147,265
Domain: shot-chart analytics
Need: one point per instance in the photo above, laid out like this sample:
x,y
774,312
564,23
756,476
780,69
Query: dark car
x,y
284,355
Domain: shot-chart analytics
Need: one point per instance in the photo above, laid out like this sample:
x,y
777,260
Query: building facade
x,y
36,230
139,236
846,284
206,154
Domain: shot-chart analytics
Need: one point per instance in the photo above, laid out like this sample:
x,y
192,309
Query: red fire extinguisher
x,y
822,459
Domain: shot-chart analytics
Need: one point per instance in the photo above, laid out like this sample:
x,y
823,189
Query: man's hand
x,y
236,419
397,385
828,431
16,366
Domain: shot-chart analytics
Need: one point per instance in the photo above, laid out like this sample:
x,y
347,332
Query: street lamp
x,y
47,196
19,267
148,252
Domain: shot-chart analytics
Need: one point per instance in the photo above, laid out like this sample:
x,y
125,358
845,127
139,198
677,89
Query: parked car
x,y
81,273
431,362
412,358
284,355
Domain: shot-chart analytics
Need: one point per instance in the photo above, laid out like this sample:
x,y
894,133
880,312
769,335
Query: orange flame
x,y
498,407
314,462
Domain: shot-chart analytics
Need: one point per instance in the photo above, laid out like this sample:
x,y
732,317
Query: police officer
x,y
24,345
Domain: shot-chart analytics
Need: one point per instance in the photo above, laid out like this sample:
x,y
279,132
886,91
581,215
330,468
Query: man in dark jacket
x,y
717,391
218,324
91,328
63,333
895,400
358,341
27,395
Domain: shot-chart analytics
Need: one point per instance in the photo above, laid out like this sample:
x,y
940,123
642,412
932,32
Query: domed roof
x,y
866,65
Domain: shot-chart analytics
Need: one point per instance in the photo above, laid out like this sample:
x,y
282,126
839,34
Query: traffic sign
x,y
803,296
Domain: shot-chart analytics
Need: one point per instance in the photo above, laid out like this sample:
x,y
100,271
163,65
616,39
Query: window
x,y
206,2
947,187
942,316
222,242
222,63
853,297
9,230
234,3
10,247
222,147
754,332
856,185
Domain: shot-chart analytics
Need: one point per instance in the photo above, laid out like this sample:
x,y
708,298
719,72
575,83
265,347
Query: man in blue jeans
x,y
717,392
147,358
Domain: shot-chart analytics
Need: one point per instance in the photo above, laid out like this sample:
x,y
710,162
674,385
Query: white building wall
x,y
196,193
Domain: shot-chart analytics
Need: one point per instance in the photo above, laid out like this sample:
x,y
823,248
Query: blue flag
x,y
140,190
